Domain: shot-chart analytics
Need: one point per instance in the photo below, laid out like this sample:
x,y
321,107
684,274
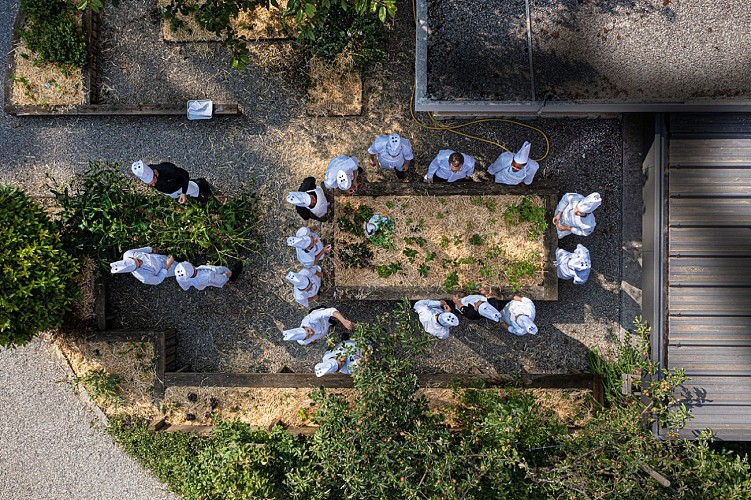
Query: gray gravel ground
x,y
50,447
271,147
613,50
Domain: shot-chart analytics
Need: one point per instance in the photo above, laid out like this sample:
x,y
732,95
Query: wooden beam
x,y
338,381
220,109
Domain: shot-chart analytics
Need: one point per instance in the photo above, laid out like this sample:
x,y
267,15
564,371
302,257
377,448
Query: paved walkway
x,y
51,445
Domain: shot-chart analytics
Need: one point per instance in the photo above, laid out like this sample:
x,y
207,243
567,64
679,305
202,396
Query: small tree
x,y
36,274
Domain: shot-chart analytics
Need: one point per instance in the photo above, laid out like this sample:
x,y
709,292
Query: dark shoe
x,y
204,189
236,270
345,336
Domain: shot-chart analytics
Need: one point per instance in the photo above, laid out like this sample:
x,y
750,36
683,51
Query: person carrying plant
x,y
482,305
200,277
344,358
518,316
342,172
307,283
574,214
450,166
575,266
171,180
315,325
310,201
308,246
436,317
392,152
513,169
149,267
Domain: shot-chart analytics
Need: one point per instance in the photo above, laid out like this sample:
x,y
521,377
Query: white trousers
x,y
192,191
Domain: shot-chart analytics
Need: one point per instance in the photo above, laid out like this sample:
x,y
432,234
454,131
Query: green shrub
x,y
36,274
52,34
106,215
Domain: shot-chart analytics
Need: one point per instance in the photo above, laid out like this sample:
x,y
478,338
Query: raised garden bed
x,y
446,238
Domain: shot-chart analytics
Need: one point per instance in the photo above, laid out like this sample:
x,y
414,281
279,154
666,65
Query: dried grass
x,y
417,217
83,308
44,84
334,89
133,362
261,24
574,407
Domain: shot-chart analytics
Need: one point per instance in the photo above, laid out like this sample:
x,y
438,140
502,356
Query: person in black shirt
x,y
171,180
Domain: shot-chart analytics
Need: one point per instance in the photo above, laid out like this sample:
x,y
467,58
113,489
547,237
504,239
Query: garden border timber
x,y
547,291
91,27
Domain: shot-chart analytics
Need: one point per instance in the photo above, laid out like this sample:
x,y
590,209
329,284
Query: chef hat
x,y
295,334
343,180
527,323
328,366
488,311
299,280
370,229
142,171
394,144
522,155
184,270
298,241
123,266
580,260
298,198
590,203
448,319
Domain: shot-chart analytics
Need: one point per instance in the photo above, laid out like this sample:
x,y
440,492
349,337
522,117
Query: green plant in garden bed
x,y
353,221
451,282
410,253
356,255
52,34
101,386
384,237
106,215
518,270
388,270
37,275
526,211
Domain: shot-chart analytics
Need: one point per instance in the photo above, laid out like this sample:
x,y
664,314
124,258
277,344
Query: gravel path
x,y
271,148
50,445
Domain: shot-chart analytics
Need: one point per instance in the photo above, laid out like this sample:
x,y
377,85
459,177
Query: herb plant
x,y
356,255
388,270
526,211
52,33
451,282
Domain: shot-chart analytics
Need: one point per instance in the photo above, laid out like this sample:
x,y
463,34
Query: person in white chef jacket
x,y
476,306
513,169
307,283
574,265
450,166
342,172
573,215
315,325
308,246
519,316
148,267
310,201
436,317
392,152
345,358
200,277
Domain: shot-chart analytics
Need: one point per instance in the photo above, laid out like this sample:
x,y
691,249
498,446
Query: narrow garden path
x,y
51,444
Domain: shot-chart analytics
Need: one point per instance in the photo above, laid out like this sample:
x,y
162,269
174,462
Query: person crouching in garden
x,y
200,277
436,317
170,180
315,325
344,358
307,284
308,246
310,201
482,305
148,267
519,316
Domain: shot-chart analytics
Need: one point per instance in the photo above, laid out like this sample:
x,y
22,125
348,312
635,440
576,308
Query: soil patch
x,y
460,241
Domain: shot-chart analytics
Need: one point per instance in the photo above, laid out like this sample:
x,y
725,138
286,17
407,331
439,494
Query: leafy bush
x,y
356,255
107,215
353,221
37,276
52,34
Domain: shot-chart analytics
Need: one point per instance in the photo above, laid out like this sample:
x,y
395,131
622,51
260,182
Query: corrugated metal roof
x,y
708,270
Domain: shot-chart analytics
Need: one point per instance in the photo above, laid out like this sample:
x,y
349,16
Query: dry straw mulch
x,y
335,89
260,24
132,362
447,225
44,84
